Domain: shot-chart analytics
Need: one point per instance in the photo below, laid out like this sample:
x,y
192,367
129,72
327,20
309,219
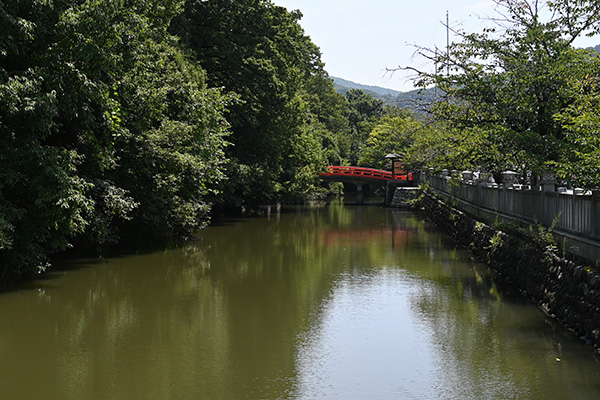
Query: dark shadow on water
x,y
83,257
58,270
232,217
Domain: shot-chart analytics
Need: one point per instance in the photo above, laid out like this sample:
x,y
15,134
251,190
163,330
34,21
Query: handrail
x,y
369,173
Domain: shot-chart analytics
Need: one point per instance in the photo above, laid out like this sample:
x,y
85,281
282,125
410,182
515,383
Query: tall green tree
x,y
394,133
363,113
161,135
260,52
327,116
579,165
105,124
511,80
42,199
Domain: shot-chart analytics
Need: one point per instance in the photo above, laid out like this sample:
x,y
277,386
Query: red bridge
x,y
364,175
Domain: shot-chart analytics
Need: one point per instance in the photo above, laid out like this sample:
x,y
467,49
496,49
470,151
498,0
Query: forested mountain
x,y
342,86
415,100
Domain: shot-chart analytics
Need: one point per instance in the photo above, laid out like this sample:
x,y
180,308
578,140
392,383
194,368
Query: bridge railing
x,y
368,173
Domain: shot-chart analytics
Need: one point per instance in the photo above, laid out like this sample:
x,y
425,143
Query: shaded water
x,y
336,302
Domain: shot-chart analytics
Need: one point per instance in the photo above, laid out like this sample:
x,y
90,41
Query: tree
x,y
327,113
364,112
579,165
260,52
511,80
104,124
161,136
394,133
42,199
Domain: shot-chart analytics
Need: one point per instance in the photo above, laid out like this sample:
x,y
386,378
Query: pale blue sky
x,y
359,39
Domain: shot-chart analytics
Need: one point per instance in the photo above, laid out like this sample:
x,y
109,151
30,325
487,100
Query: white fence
x,y
578,211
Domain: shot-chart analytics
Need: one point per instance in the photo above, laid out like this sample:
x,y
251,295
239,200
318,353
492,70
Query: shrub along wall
x,y
527,259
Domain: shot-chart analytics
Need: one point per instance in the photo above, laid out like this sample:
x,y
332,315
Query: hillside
x,y
416,100
342,86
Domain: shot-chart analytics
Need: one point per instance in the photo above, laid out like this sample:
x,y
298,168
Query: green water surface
x,y
325,302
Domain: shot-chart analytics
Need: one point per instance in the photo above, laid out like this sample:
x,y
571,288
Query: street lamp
x,y
397,168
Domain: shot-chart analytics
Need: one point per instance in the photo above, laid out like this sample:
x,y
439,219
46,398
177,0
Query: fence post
x,y
594,213
509,178
548,183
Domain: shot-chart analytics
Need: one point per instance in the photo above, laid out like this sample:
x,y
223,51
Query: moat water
x,y
325,302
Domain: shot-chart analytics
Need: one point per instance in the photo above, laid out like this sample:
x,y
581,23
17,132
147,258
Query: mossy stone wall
x,y
563,289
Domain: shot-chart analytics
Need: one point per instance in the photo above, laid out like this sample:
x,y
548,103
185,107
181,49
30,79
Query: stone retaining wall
x,y
575,212
564,290
404,197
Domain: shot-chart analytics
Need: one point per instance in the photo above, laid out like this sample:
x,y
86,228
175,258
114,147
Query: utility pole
x,y
435,93
447,44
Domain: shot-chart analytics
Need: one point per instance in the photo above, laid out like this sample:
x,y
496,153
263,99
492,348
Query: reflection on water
x,y
325,302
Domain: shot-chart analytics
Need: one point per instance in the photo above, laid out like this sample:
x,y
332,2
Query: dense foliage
x,y
105,127
259,51
127,118
519,95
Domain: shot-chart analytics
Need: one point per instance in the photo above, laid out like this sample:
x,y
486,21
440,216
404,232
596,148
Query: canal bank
x,y
527,258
